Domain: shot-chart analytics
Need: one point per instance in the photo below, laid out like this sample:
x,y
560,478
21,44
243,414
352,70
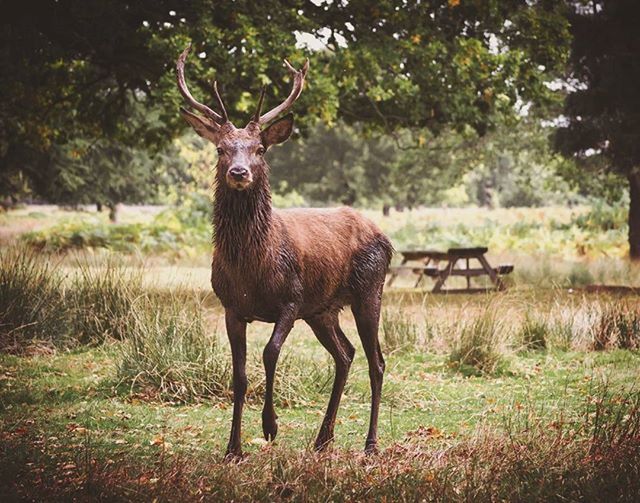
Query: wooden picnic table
x,y
427,263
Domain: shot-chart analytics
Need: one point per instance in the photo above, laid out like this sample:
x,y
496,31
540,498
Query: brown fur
x,y
281,266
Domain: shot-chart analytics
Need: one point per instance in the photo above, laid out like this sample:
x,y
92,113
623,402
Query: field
x,y
115,370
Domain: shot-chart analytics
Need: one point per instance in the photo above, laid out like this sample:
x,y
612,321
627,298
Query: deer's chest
x,y
255,293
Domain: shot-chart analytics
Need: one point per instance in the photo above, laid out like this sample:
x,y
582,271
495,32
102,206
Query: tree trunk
x,y
386,210
113,212
99,207
634,216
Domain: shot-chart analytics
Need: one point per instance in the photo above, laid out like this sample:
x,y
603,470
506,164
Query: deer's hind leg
x,y
328,332
366,311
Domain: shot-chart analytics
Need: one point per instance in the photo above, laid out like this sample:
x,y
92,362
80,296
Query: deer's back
x,y
335,248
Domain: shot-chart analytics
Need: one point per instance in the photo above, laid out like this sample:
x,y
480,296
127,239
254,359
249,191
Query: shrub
x,y
603,217
183,230
580,275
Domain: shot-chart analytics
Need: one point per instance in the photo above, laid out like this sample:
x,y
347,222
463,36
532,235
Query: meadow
x,y
115,370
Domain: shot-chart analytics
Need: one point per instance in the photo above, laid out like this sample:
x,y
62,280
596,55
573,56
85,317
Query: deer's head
x,y
241,150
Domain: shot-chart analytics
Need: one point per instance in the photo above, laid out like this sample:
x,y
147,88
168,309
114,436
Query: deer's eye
x,y
220,151
260,150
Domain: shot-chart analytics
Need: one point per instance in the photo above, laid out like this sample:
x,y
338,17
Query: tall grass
x,y
100,302
399,330
618,326
31,300
168,352
40,304
477,347
533,332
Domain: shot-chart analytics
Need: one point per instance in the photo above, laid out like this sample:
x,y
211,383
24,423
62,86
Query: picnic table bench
x,y
427,263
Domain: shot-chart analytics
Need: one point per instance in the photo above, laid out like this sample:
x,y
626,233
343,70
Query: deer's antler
x,y
298,83
182,85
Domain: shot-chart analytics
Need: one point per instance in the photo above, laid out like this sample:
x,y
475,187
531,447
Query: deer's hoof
x,y
269,426
371,447
233,456
323,443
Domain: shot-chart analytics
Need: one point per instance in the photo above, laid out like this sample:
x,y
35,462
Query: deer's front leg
x,y
270,357
237,333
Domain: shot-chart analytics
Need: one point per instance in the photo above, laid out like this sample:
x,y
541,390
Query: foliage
x,y
603,217
102,73
510,166
182,232
395,69
185,230
334,165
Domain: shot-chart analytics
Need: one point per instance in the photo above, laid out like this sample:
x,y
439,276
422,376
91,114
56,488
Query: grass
x,y
534,332
554,428
399,331
42,305
477,348
168,352
31,299
618,326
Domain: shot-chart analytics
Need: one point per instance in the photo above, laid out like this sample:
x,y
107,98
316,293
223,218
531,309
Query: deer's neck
x,y
242,221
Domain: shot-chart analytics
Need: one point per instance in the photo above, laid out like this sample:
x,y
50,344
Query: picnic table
x,y
427,263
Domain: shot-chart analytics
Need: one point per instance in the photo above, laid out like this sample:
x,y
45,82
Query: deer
x,y
280,266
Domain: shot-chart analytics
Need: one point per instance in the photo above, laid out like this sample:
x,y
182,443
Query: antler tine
x,y
256,116
220,102
298,84
182,86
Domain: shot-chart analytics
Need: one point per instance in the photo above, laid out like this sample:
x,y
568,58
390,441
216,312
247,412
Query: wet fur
x,y
280,266
318,259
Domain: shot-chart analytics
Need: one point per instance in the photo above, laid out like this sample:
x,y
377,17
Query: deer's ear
x,y
278,132
205,128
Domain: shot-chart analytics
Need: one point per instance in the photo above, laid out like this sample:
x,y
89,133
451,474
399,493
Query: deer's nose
x,y
238,173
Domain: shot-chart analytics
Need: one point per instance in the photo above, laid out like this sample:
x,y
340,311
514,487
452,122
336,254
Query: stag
x,y
282,266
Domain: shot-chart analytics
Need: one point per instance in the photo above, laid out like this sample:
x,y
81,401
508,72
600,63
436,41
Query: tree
x,y
442,63
602,108
81,70
70,69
